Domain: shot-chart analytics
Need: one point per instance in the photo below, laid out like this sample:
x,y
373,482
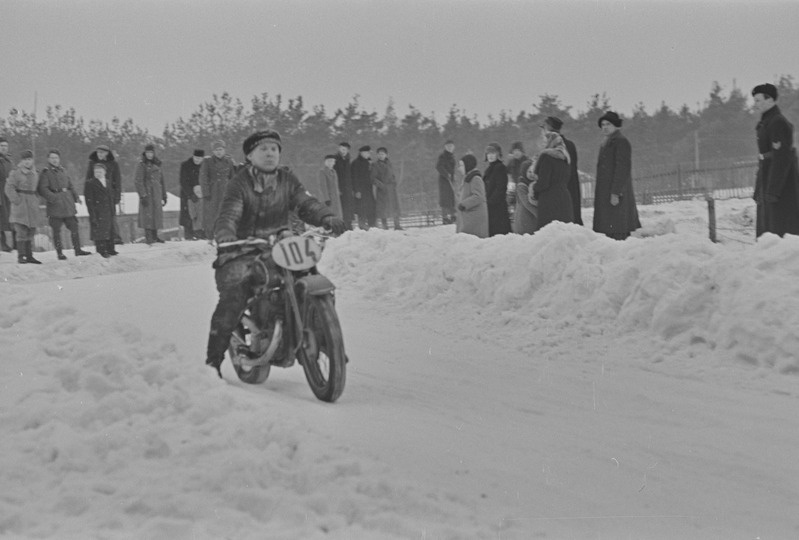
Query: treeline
x,y
721,129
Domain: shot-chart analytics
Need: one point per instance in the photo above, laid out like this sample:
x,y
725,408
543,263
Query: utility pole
x,y
696,149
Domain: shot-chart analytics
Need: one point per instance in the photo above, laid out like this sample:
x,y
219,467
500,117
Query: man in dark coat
x,y
100,204
344,173
777,184
615,211
189,180
362,188
6,166
215,172
258,200
56,188
496,187
385,181
103,154
552,123
446,182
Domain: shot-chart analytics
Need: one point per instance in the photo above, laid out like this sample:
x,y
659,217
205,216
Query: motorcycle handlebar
x,y
263,241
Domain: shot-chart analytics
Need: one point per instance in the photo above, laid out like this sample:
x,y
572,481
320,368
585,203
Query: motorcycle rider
x,y
258,200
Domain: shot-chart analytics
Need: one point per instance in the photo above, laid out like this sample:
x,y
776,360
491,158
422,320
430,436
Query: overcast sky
x,y
155,61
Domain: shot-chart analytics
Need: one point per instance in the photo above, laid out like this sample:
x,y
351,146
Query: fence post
x,y
679,181
711,217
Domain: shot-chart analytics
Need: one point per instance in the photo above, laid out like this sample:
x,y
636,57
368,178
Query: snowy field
x,y
558,386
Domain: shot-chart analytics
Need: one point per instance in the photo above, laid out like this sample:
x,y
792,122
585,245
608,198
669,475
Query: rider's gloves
x,y
335,224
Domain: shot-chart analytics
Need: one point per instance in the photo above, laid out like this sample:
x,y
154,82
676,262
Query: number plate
x,y
297,253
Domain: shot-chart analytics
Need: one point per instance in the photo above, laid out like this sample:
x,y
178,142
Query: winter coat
x,y
329,189
777,175
525,216
152,194
474,218
551,190
251,208
112,174
214,176
362,183
614,176
57,190
189,179
385,182
574,182
496,184
21,189
100,204
5,203
343,170
446,179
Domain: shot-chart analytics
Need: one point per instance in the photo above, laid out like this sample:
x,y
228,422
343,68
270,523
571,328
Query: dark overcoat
x,y
329,189
5,204
215,173
112,173
189,179
777,183
56,188
614,175
551,190
446,176
385,182
100,205
150,184
496,184
344,173
362,183
574,182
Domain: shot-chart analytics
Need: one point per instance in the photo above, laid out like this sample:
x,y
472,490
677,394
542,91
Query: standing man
x,y
5,204
103,154
189,199
55,187
362,188
328,185
343,169
446,182
21,189
777,184
615,212
152,194
215,172
514,166
552,123
385,181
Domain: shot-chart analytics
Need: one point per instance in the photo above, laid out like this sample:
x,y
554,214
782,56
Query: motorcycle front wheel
x,y
322,351
249,375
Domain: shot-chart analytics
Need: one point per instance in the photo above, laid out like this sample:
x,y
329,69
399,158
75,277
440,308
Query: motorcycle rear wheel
x,y
249,375
322,352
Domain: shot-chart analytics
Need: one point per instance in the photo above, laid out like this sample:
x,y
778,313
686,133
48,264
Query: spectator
x,y
496,186
99,196
514,166
363,189
5,204
21,188
385,182
615,212
446,182
472,208
56,188
777,181
552,123
103,154
215,172
190,193
551,175
344,174
152,194
328,185
525,217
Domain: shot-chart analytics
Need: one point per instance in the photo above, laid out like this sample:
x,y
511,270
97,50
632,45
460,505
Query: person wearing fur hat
x,y
5,204
328,185
259,201
215,173
777,181
190,203
472,209
496,186
103,154
343,168
552,123
550,189
149,180
525,216
445,166
615,210
99,195
21,189
363,189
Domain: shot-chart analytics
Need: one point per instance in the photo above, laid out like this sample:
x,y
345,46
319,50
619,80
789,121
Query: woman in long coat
x,y
329,191
615,212
152,194
472,208
21,189
99,195
551,187
496,185
525,217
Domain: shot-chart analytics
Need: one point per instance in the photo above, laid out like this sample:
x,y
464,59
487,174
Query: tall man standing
x,y
189,199
446,180
777,184
385,181
55,186
343,169
552,123
103,154
362,188
5,204
215,172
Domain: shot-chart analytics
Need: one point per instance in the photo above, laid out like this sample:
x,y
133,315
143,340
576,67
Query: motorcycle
x,y
291,315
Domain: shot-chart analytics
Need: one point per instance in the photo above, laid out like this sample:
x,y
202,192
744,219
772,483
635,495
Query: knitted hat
x,y
54,151
218,144
449,141
26,154
199,153
611,117
553,123
365,148
469,162
149,148
517,146
495,148
258,137
768,90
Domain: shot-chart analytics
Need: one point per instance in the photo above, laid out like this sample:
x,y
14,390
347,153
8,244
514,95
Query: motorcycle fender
x,y
314,285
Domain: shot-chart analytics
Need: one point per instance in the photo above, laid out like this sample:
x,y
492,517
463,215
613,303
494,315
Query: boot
x,y
110,249
61,256
21,253
155,237
3,243
99,245
148,237
79,252
76,244
29,253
